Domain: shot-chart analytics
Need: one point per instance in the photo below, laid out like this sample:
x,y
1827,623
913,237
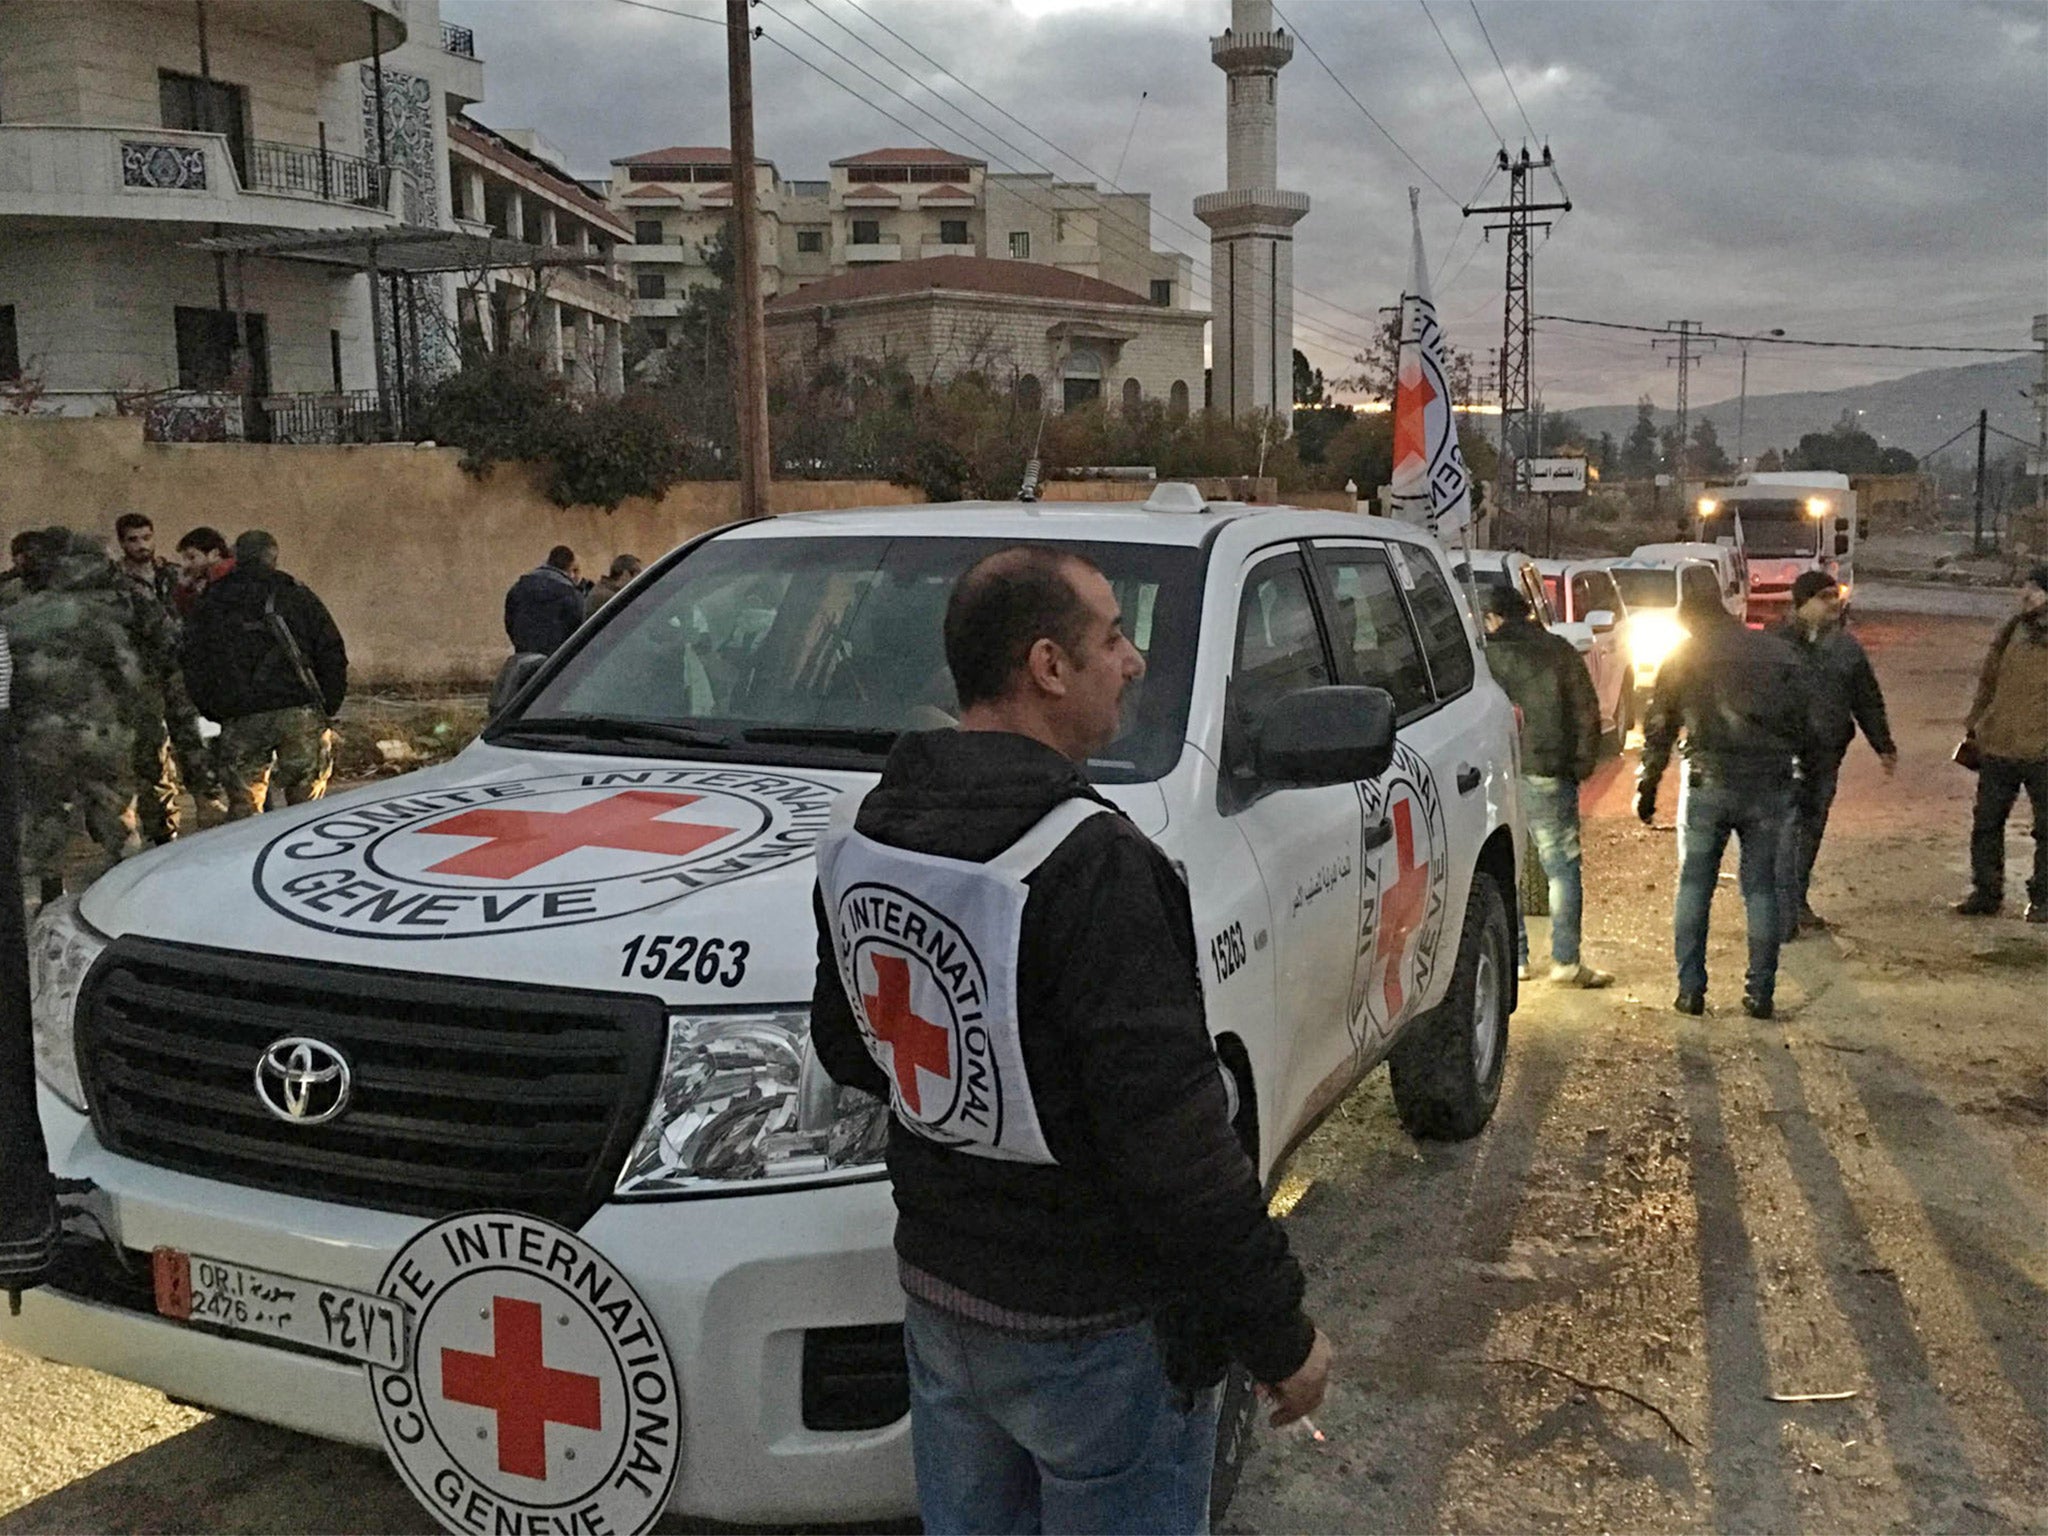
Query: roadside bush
x,y
611,449
498,406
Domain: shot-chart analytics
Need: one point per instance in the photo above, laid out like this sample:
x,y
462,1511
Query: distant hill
x,y
1914,413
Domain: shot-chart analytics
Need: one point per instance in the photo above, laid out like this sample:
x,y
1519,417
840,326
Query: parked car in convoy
x,y
1731,570
538,1017
1587,610
1508,568
1651,590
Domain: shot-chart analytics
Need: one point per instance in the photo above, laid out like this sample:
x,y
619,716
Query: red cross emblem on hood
x,y
521,841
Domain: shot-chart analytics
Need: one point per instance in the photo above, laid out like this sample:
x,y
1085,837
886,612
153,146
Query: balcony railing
x,y
459,41
348,417
298,171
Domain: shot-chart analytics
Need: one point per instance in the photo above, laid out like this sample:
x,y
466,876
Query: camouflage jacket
x,y
89,644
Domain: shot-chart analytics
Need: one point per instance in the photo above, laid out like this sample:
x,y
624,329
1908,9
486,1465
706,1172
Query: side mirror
x,y
1331,735
1600,620
512,677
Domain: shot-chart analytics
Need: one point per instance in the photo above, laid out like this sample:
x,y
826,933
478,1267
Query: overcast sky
x,y
1865,171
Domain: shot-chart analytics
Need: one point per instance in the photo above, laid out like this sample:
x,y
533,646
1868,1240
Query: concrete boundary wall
x,y
412,554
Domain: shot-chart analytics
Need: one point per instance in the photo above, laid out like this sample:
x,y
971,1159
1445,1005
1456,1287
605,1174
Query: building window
x,y
1081,380
206,347
867,232
647,232
953,232
650,285
334,348
810,242
207,106
1177,400
1020,245
1132,394
657,337
10,345
1162,292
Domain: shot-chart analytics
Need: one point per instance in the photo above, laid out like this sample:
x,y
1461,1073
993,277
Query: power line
x,y
662,10
1793,341
1420,169
1505,80
1490,124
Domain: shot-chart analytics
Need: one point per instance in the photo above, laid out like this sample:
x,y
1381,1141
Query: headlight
x,y
1652,637
743,1099
61,949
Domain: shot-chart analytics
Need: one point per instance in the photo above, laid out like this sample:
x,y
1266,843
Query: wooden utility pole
x,y
750,350
1977,518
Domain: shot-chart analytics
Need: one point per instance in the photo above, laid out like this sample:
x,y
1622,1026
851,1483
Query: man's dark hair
x,y
256,550
624,566
1504,602
132,520
207,540
1004,605
24,541
1809,585
561,557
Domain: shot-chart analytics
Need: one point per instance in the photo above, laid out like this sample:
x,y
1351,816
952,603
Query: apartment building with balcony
x,y
878,207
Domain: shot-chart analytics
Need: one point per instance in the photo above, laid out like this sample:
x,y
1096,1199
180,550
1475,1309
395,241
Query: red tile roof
x,y
957,274
683,154
879,194
909,157
943,191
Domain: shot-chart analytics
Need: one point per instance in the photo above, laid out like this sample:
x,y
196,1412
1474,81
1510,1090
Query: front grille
x,y
467,1093
855,1378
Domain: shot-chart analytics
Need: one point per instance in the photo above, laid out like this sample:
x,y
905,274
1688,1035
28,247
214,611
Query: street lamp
x,y
1742,400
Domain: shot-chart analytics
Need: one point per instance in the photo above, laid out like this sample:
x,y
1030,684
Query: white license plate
x,y
195,1289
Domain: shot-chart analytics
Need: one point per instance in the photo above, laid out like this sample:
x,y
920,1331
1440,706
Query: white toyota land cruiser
x,y
558,989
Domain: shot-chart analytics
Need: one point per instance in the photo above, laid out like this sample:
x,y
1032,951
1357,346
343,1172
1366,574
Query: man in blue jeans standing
x,y
1011,964
1560,716
1739,699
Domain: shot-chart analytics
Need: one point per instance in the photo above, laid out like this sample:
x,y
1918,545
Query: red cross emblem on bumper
x,y
517,1385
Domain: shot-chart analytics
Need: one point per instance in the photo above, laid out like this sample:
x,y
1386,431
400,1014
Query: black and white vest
x,y
927,949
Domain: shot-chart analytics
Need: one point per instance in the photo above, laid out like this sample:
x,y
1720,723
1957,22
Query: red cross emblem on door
x,y
913,1042
1402,909
517,1385
522,841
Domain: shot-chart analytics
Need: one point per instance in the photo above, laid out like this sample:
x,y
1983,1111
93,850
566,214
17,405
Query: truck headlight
x,y
744,1099
61,949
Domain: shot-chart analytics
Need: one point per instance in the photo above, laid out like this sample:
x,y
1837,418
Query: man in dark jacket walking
x,y
2008,721
1560,713
1842,694
545,606
1012,965
264,658
1739,699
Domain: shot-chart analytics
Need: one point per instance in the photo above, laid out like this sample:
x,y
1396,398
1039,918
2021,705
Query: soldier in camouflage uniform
x,y
262,656
91,657
168,746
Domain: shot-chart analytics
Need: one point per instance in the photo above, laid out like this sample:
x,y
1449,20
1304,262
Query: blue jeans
x,y
1805,825
1551,808
1013,1434
1756,815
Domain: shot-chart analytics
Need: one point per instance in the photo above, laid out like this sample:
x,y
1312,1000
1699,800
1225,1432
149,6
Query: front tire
x,y
1447,1066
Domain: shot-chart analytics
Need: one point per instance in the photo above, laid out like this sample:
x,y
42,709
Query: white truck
x,y
1791,521
473,1113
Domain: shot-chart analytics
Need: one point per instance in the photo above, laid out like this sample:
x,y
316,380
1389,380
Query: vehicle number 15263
x,y
685,957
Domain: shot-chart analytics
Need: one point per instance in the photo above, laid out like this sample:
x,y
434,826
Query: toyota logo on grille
x,y
302,1081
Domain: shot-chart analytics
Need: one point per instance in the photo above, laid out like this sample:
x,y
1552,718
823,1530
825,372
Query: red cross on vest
x,y
913,1042
522,841
1406,901
516,1385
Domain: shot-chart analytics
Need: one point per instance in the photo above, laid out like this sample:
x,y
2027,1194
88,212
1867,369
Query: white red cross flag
x,y
1431,484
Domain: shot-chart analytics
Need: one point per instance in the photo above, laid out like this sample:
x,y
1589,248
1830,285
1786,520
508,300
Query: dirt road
x,y
1578,1320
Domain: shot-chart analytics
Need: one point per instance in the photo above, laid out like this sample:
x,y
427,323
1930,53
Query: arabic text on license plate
x,y
193,1288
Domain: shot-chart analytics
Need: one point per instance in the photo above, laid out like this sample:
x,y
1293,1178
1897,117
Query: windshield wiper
x,y
610,728
856,738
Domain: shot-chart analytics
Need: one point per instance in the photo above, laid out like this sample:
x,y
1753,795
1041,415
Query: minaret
x,y
1251,239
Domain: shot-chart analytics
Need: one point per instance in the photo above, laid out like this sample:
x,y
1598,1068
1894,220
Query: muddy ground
x,y
1578,1320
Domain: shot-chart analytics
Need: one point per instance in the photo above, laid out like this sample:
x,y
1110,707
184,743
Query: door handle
x,y
1469,779
1379,836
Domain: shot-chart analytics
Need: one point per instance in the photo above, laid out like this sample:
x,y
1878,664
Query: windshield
x,y
1779,529
834,645
1646,586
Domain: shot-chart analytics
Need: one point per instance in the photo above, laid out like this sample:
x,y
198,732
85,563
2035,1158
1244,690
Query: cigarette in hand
x,y
1309,1428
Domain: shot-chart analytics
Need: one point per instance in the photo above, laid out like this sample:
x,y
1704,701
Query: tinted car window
x,y
1369,628
1698,580
1648,586
1279,650
1444,639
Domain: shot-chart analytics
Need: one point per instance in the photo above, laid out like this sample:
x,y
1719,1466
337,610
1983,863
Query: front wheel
x,y
1447,1065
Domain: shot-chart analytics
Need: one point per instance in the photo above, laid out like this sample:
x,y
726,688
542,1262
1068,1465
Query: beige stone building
x,y
1058,336
878,208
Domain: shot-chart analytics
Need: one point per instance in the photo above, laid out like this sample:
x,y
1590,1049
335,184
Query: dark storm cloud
x,y
1855,171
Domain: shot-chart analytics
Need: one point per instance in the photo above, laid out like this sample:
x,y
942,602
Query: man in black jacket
x,y
263,657
1739,698
1842,694
1081,1234
1560,714
545,606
